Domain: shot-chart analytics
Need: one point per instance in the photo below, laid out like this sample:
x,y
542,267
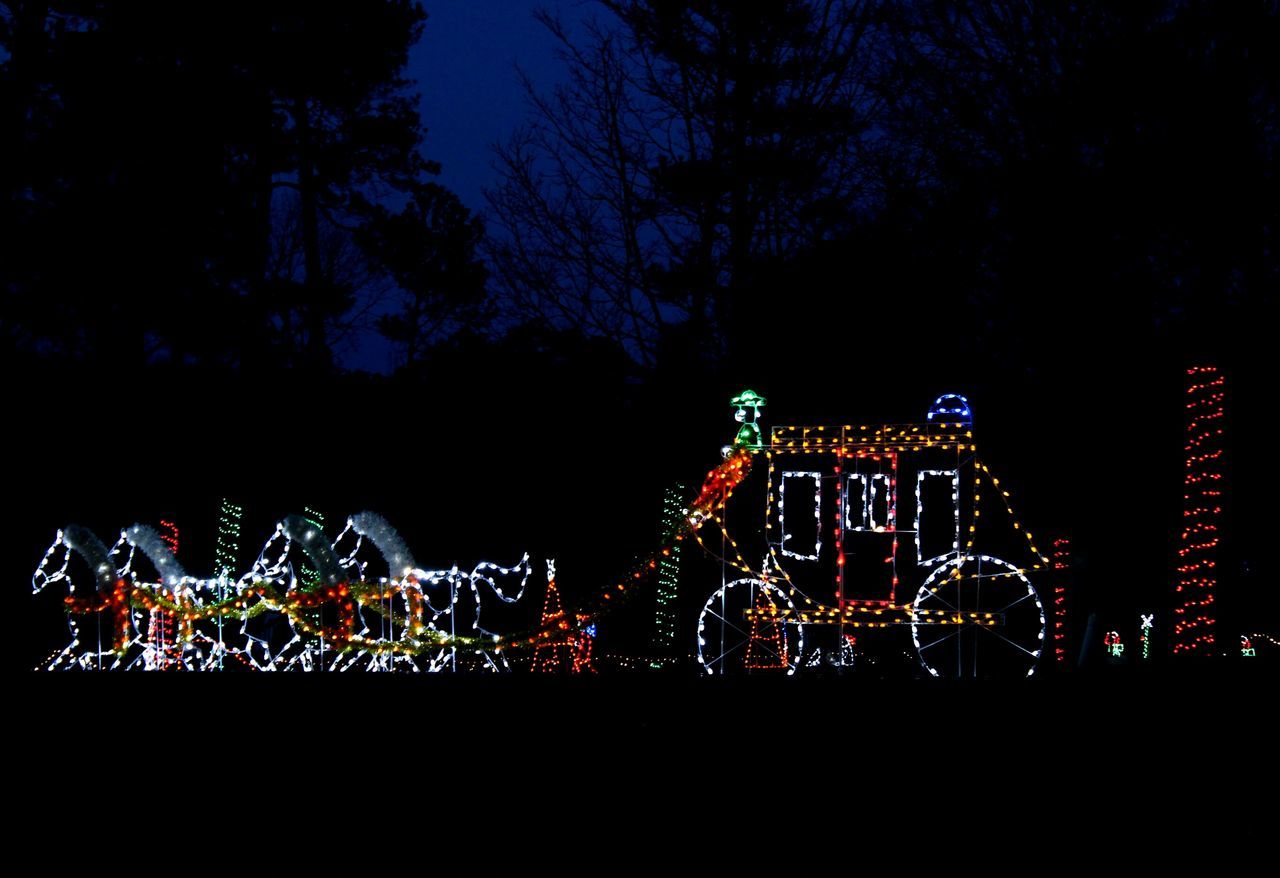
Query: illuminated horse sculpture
x,y
343,619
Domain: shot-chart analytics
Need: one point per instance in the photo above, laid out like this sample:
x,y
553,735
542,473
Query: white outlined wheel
x,y
1006,643
725,643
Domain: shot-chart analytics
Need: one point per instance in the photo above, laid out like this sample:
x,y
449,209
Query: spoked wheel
x,y
996,623
731,643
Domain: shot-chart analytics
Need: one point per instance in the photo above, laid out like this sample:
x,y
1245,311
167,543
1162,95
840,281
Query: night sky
x,y
466,68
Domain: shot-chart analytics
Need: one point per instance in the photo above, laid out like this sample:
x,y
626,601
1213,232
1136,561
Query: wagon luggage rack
x,y
870,437
871,615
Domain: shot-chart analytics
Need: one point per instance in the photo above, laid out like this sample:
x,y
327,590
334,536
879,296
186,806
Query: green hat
x,y
746,398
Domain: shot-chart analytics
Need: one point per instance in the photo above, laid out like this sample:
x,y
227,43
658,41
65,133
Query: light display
x,y
227,553
748,405
309,576
973,614
1061,564
557,651
1194,614
1145,632
1113,644
817,515
159,652
361,602
767,642
1247,649
664,621
350,616
950,407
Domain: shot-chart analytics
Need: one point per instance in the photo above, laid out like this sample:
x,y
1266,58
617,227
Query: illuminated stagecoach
x,y
867,528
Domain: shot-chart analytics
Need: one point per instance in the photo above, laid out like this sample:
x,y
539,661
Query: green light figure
x,y
749,433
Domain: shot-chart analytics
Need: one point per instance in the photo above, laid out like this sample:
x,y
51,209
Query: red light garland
x,y
1061,562
1194,618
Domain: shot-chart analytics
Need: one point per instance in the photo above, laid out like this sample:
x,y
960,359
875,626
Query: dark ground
x,y
782,764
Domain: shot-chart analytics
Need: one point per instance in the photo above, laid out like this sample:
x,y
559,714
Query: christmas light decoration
x,y
361,602
951,407
1061,563
664,622
1194,616
169,533
162,620
227,553
817,514
556,653
309,576
749,435
978,605
1113,644
1144,633
1247,649
766,643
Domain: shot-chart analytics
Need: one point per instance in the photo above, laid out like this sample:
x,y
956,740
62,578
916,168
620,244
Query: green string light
x,y
309,576
664,638
227,554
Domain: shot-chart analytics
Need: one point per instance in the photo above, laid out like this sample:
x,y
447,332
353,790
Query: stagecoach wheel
x,y
730,643
995,621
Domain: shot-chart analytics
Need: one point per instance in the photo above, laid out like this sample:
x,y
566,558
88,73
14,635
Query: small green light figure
x,y
749,434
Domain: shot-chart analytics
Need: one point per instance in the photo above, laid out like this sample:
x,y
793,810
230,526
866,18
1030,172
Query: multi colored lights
x,y
950,407
1194,614
974,603
1148,623
1112,643
349,618
556,651
309,576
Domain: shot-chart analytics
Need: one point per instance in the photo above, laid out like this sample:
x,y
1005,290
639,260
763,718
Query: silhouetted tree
x,y
693,141
431,249
207,182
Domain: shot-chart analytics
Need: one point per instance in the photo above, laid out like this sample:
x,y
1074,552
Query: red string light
x,y
555,652
1194,617
1061,561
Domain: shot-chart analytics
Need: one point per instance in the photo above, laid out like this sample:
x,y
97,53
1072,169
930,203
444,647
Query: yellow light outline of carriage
x,y
938,612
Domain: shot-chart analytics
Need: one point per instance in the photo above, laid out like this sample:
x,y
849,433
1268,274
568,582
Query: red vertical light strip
x,y
893,526
169,533
1061,561
1194,614
842,515
161,631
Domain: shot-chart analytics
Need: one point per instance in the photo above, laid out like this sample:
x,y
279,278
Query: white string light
x,y
817,514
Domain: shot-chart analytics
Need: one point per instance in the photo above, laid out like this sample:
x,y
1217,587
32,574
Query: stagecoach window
x,y
880,507
942,525
856,500
869,502
802,504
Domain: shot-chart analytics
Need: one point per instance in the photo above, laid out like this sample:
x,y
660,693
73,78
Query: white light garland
x,y
392,638
817,514
921,475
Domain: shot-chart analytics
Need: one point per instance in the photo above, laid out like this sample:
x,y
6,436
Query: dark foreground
x,y
1036,765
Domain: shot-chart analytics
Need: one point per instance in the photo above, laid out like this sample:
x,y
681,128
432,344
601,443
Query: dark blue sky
x,y
465,66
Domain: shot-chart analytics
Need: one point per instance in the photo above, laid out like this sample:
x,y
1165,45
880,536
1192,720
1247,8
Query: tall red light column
x,y
1194,615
